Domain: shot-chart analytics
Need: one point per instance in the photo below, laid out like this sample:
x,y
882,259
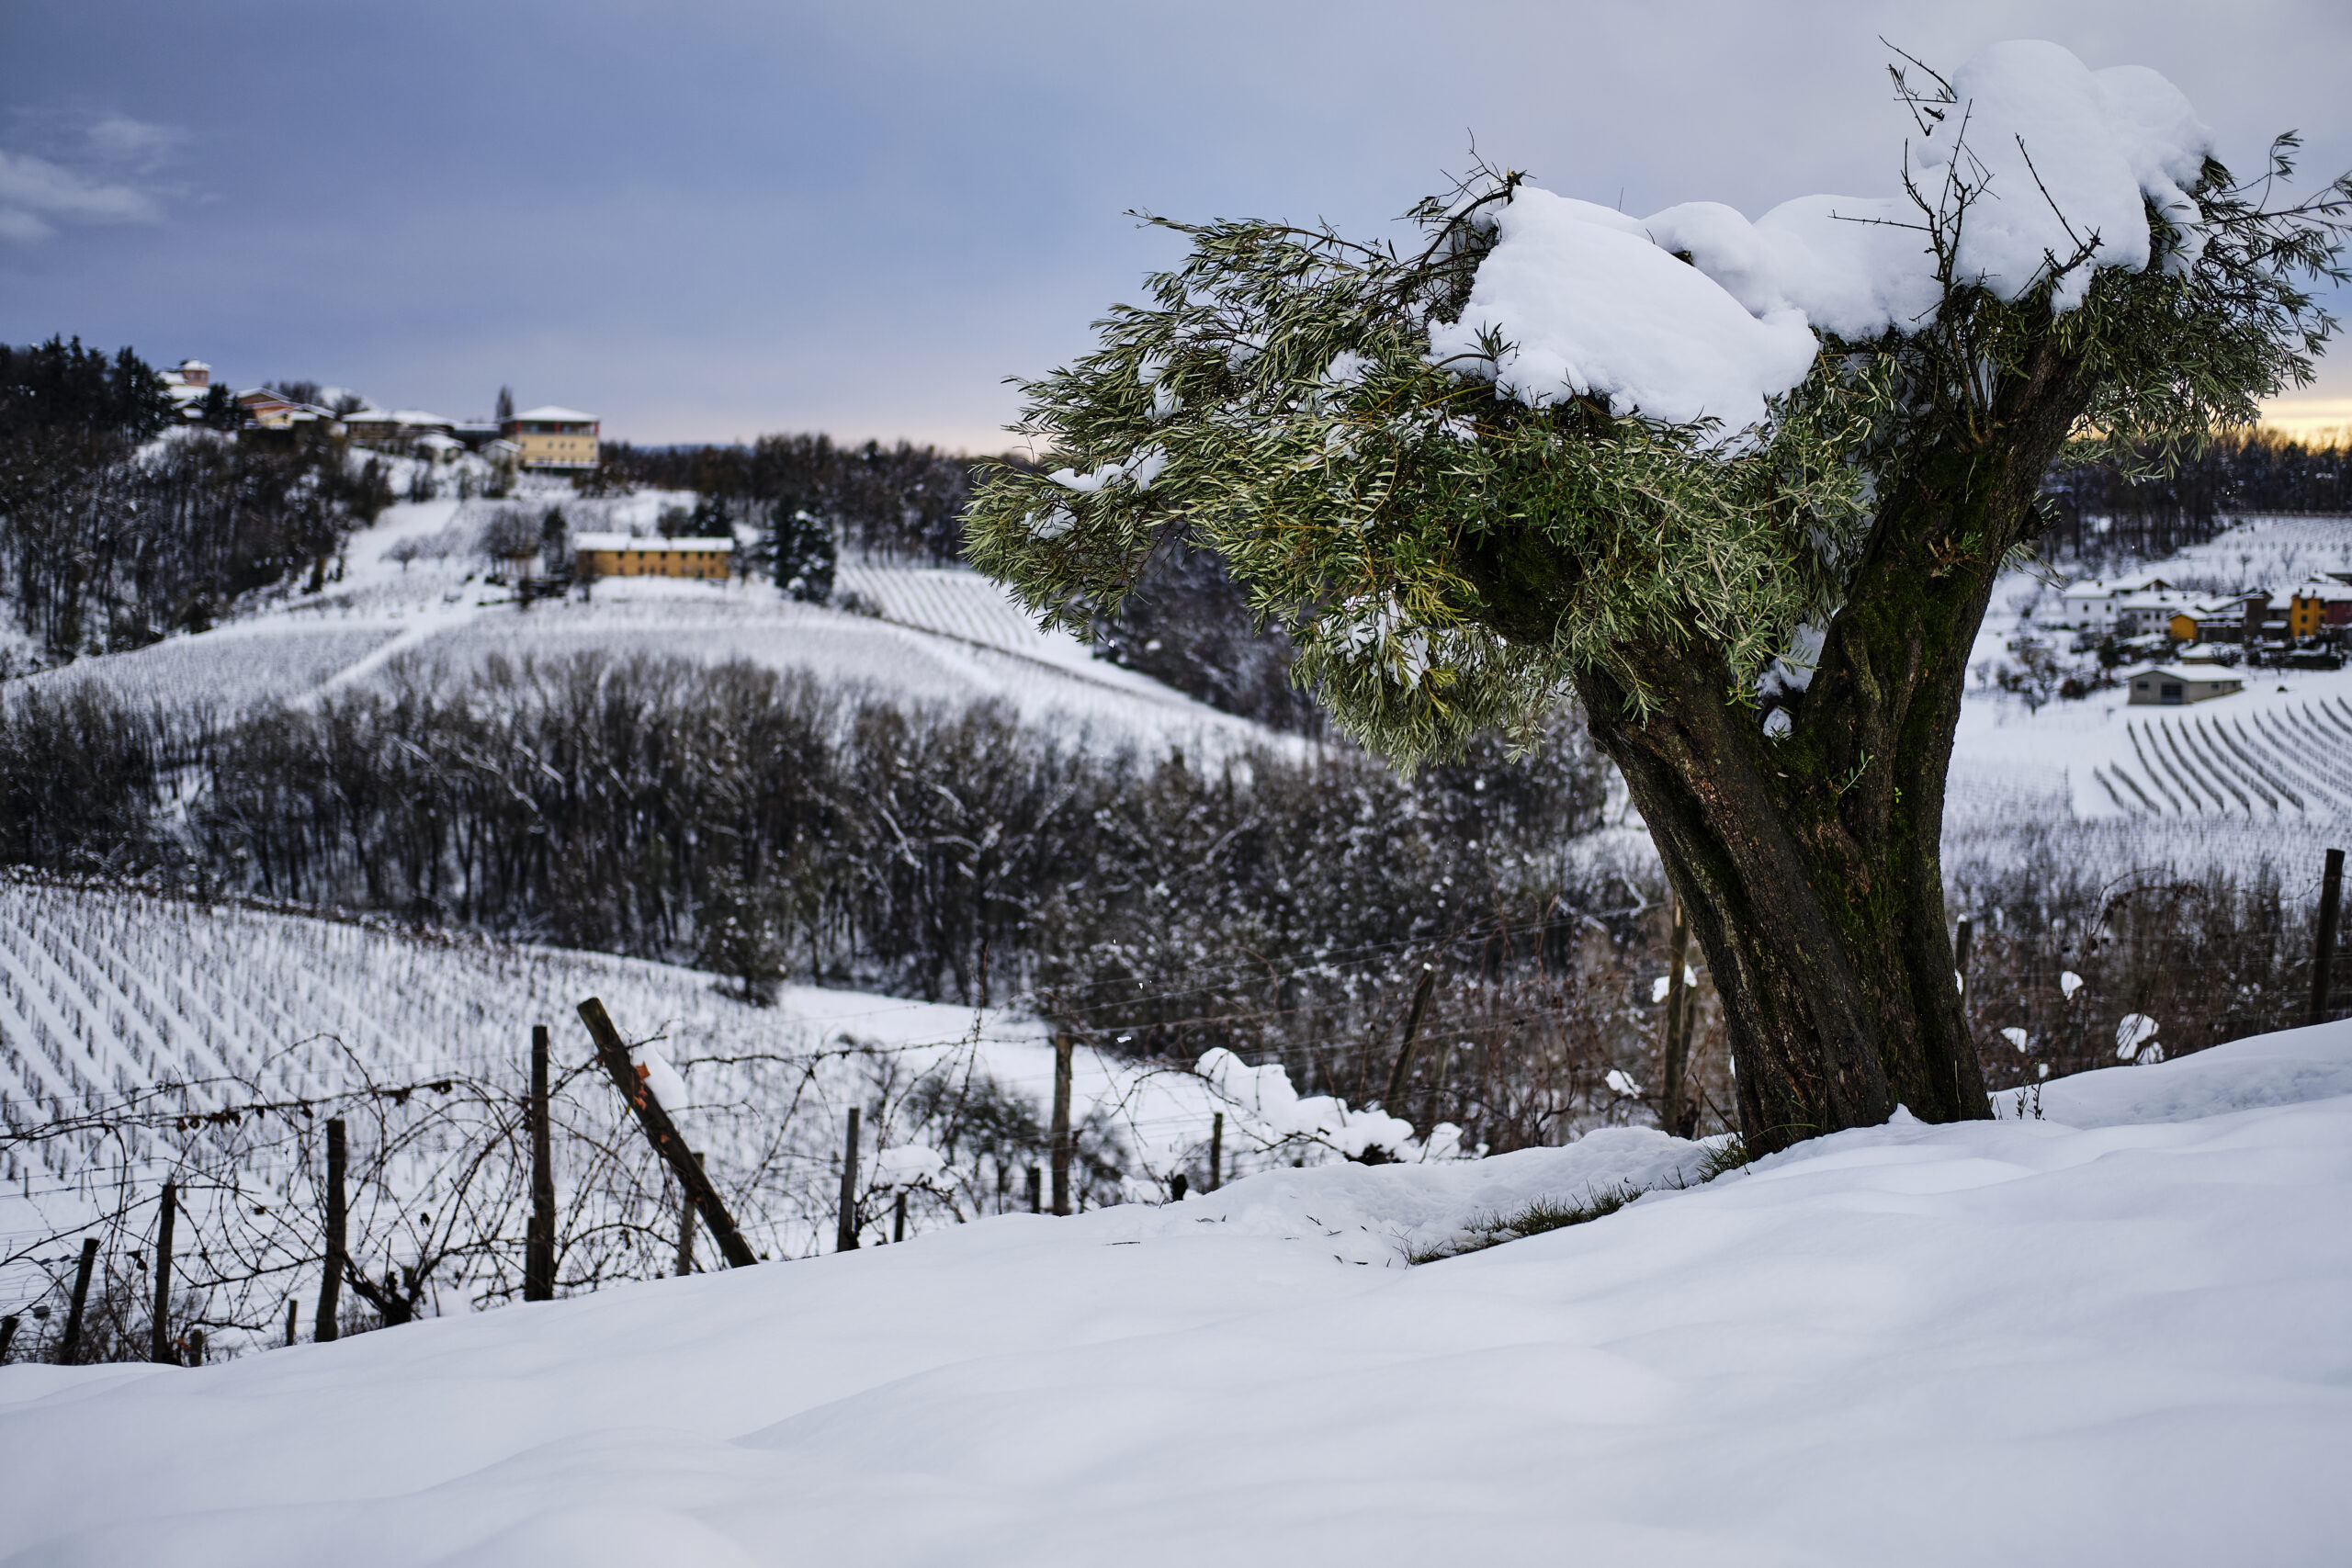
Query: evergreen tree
x,y
798,549
1767,629
505,404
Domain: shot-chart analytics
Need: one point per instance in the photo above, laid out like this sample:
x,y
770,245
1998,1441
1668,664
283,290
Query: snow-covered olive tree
x,y
1741,489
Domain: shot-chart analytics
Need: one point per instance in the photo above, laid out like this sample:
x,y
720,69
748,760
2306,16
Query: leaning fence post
x,y
331,1287
1061,1121
686,1230
613,1051
2331,893
1401,1072
70,1346
845,1229
1216,1151
1676,1056
159,1337
538,1240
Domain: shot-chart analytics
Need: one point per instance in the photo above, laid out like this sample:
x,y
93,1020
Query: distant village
x,y
549,439
2197,640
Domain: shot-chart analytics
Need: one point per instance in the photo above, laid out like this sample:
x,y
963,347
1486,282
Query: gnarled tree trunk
x,y
1811,863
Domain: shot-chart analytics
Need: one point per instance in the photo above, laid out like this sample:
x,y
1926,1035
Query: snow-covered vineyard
x,y
142,1037
2295,767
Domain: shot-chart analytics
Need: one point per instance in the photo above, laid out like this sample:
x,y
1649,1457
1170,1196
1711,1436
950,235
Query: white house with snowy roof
x,y
2090,605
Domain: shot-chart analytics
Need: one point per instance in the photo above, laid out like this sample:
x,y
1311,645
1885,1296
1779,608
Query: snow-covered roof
x,y
632,542
2093,589
554,412
419,416
2324,588
2174,672
194,365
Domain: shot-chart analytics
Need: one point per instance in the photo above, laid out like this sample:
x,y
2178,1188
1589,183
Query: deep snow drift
x,y
2114,1334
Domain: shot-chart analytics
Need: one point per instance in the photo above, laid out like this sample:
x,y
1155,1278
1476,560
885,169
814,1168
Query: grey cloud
x,y
37,194
138,144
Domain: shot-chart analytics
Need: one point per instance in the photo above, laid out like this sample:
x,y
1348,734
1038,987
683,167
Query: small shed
x,y
2171,685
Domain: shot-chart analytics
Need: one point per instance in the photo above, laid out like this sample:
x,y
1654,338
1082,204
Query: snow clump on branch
x,y
2031,170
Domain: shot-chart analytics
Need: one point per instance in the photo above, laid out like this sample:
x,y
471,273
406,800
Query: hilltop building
x,y
624,555
187,384
553,437
410,431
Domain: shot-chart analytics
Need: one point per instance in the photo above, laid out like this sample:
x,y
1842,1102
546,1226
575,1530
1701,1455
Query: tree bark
x,y
1811,863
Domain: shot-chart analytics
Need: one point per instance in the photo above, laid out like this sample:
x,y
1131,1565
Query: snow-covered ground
x,y
2114,1334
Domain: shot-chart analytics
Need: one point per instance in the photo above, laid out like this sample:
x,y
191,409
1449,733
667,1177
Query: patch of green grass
x,y
1543,1214
1558,1213
1730,1157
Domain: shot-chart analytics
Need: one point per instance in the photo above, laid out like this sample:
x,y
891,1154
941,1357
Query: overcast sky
x,y
705,221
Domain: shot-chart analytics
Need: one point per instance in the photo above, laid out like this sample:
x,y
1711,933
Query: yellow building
x,y
624,555
552,437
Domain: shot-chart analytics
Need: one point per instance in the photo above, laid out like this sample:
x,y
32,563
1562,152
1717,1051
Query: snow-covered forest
x,y
1516,885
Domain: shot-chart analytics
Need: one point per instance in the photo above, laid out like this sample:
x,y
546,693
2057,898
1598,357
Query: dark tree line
x,y
899,502
107,545
664,808
2103,511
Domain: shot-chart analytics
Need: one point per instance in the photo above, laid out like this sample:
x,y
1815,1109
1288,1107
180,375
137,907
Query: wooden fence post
x,y
70,1346
2331,893
293,1320
1675,1057
331,1287
898,1218
612,1051
845,1228
1401,1073
159,1337
7,1336
539,1239
1062,1045
1216,1151
1960,946
1036,1191
686,1230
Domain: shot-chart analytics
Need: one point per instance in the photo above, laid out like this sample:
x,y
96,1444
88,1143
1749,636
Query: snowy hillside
x,y
413,599
2112,1335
